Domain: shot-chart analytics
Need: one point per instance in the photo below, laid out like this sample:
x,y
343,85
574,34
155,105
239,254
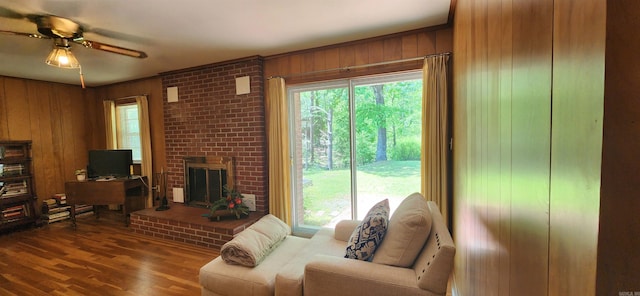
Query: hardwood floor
x,y
100,257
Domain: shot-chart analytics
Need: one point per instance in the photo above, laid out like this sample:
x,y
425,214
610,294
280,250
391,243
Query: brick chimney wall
x,y
209,119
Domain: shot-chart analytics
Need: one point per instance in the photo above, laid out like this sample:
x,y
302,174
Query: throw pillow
x,y
369,233
409,228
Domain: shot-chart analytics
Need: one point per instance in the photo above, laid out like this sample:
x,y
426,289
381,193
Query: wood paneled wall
x,y
578,106
53,116
65,121
619,239
528,94
296,66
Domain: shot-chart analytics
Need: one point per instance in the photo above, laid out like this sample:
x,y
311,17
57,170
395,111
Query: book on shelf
x,y
10,153
15,212
13,189
13,208
8,170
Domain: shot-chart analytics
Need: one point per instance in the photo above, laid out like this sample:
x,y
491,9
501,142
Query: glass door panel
x,y
388,111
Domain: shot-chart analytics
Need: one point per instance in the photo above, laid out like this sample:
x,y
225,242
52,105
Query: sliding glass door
x,y
354,143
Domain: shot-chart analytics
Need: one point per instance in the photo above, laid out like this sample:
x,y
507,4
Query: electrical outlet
x,y
250,201
178,195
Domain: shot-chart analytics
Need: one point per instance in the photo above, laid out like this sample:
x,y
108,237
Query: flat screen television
x,y
110,163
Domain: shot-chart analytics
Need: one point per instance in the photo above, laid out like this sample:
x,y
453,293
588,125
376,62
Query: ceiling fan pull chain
x,y
81,76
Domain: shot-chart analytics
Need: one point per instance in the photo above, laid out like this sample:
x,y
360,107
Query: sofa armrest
x,y
344,229
330,275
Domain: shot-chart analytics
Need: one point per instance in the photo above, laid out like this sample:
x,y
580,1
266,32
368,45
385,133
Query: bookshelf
x,y
17,196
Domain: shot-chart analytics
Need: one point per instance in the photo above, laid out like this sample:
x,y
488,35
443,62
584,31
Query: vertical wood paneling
x,y
38,111
17,104
409,46
347,56
381,49
427,42
376,52
392,49
518,178
494,152
618,267
578,98
4,121
505,70
502,130
444,40
531,135
44,148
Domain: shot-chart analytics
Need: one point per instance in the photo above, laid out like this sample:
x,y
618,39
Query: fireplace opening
x,y
205,178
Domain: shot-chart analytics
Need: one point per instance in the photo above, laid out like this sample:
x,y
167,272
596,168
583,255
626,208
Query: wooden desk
x,y
130,193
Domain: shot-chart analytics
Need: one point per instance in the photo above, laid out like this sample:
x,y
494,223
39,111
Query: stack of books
x,y
53,211
56,209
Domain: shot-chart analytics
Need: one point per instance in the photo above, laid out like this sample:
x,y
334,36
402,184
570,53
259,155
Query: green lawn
x,y
326,198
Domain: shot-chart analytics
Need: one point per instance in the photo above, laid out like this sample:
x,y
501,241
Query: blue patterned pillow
x,y
368,235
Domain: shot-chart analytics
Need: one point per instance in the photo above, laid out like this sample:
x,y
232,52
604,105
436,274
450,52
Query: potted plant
x,y
229,205
81,174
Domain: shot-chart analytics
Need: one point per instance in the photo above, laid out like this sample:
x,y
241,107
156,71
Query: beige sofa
x,y
317,266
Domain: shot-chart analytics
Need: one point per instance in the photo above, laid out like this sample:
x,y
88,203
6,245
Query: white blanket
x,y
251,245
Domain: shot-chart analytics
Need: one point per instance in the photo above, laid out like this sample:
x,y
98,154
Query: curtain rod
x,y
129,97
349,68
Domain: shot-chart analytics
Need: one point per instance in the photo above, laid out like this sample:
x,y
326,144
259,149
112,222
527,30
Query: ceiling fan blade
x,y
8,13
24,34
113,49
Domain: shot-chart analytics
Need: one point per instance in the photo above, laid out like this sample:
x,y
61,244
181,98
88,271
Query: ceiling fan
x,y
64,32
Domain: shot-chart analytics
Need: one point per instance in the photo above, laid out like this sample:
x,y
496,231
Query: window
x,y
354,142
128,129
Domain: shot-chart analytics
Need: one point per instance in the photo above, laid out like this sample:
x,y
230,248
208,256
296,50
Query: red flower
x,y
238,201
231,205
229,198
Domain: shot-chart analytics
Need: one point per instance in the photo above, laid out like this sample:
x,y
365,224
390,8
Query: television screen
x,y
110,163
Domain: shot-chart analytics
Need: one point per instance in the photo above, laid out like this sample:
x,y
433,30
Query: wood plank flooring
x,y
100,257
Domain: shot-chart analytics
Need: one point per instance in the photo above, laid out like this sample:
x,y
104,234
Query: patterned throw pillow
x,y
368,235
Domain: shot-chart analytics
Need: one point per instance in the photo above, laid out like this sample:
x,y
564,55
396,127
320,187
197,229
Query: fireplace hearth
x,y
205,178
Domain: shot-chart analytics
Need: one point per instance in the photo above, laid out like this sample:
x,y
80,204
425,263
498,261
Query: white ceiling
x,y
182,34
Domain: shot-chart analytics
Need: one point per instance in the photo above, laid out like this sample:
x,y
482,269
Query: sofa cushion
x,y
344,229
408,231
220,278
289,281
369,233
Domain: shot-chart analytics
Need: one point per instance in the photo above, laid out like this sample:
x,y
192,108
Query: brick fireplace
x,y
210,119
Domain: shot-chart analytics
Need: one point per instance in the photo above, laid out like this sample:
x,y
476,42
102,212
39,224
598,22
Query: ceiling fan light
x,y
62,57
